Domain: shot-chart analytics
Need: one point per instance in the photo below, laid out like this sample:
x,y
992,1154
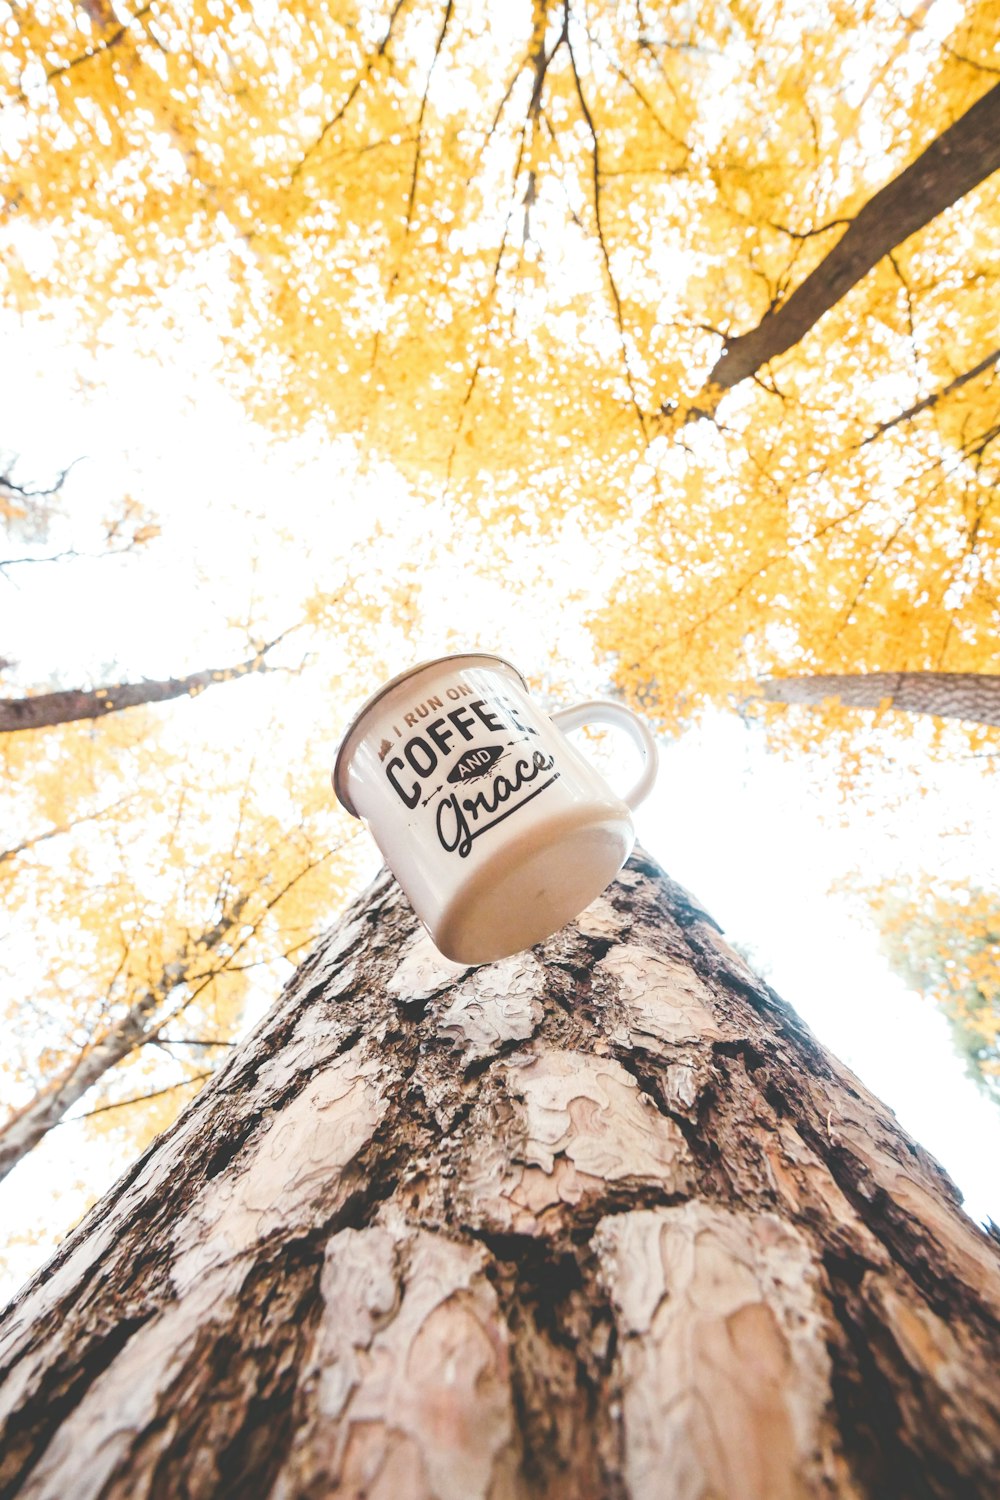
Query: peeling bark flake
x,y
423,972
499,1003
663,1000
287,1167
580,1123
725,1374
407,1388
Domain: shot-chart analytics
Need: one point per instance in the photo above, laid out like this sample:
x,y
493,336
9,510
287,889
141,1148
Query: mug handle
x,y
605,711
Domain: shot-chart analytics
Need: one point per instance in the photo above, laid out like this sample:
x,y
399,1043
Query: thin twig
x,y
139,1099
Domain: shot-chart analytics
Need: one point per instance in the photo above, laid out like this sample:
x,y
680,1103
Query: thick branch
x,y
972,696
46,709
143,1022
954,163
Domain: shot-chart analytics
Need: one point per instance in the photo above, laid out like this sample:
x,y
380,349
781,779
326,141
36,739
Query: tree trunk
x,y
45,709
974,696
951,166
599,1220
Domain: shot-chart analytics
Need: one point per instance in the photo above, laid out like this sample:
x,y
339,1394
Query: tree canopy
x,y
503,245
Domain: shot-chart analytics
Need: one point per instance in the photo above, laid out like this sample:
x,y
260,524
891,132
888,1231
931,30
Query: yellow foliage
x,y
493,244
188,891
943,938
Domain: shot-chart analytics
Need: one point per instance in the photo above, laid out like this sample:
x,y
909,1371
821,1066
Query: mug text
x,y
458,816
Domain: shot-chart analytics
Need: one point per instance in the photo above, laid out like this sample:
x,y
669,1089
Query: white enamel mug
x,y
497,828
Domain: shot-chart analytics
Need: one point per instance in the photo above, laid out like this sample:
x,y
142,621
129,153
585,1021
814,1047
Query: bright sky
x,y
759,839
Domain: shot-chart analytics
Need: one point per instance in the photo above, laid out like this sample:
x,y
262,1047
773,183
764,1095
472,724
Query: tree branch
x,y
103,1109
933,399
51,833
595,151
99,50
951,166
412,198
47,709
190,1041
364,74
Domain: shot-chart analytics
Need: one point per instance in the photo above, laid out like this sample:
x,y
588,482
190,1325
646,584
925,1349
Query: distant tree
x,y
943,939
972,696
195,984
154,930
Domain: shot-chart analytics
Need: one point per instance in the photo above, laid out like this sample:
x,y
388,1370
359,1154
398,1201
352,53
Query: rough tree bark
x,y
45,709
974,696
952,165
600,1220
